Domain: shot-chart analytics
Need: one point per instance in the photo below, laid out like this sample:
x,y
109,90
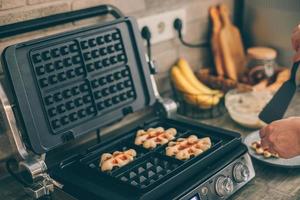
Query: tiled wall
x,y
165,53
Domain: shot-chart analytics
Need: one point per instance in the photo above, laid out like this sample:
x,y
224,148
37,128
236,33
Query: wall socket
x,y
161,25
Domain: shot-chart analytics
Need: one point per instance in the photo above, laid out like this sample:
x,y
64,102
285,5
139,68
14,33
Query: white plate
x,y
280,162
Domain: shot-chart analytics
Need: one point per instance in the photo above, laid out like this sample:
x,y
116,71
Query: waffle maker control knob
x,y
241,172
224,186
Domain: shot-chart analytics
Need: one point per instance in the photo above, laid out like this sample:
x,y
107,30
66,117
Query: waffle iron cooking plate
x,y
152,174
72,83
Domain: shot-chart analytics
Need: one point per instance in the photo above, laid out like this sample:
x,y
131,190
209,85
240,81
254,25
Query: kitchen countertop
x,y
270,183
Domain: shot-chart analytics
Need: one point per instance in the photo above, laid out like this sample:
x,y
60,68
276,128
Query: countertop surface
x,y
270,183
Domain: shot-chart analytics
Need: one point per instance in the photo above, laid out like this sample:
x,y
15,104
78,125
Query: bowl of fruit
x,y
195,98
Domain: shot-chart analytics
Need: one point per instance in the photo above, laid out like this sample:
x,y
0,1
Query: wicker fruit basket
x,y
194,111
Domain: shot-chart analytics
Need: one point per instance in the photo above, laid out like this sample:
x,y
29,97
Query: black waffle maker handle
x,y
57,19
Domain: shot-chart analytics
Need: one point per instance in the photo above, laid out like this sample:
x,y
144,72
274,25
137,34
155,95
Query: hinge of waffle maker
x,y
42,184
165,106
32,166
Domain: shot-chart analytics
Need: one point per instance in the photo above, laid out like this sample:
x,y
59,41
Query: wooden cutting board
x,y
215,40
231,46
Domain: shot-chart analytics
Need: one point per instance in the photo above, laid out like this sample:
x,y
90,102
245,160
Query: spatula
x,y
277,106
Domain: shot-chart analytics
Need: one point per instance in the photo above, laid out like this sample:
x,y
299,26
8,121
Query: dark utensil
x,y
277,106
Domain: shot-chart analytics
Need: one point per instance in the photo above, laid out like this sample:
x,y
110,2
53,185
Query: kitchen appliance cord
x,y
146,35
178,27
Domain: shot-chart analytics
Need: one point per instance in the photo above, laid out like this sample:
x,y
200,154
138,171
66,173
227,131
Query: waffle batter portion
x,y
185,148
117,159
154,136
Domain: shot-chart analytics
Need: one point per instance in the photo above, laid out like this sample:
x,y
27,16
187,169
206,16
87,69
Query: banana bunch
x,y
194,91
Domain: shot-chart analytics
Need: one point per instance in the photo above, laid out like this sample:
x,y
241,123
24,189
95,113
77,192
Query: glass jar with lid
x,y
261,64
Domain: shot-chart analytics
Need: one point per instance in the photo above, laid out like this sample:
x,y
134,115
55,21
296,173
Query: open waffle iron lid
x,y
69,84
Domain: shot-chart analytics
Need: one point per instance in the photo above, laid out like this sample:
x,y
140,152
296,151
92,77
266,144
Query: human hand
x,y
296,43
282,137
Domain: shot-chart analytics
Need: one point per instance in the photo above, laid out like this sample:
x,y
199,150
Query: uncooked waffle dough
x,y
184,148
257,147
154,136
117,159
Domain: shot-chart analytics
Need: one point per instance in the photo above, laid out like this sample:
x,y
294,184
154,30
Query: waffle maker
x,y
61,87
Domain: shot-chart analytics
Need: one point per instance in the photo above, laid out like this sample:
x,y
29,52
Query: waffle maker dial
x,y
224,186
241,172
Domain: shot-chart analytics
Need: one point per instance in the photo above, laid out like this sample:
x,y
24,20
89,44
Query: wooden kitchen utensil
x,y
231,46
215,40
276,108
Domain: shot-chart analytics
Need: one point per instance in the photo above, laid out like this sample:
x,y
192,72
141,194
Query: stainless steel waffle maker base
x,y
62,87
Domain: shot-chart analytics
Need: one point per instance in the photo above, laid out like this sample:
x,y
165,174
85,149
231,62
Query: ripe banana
x,y
191,94
190,76
202,101
182,84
